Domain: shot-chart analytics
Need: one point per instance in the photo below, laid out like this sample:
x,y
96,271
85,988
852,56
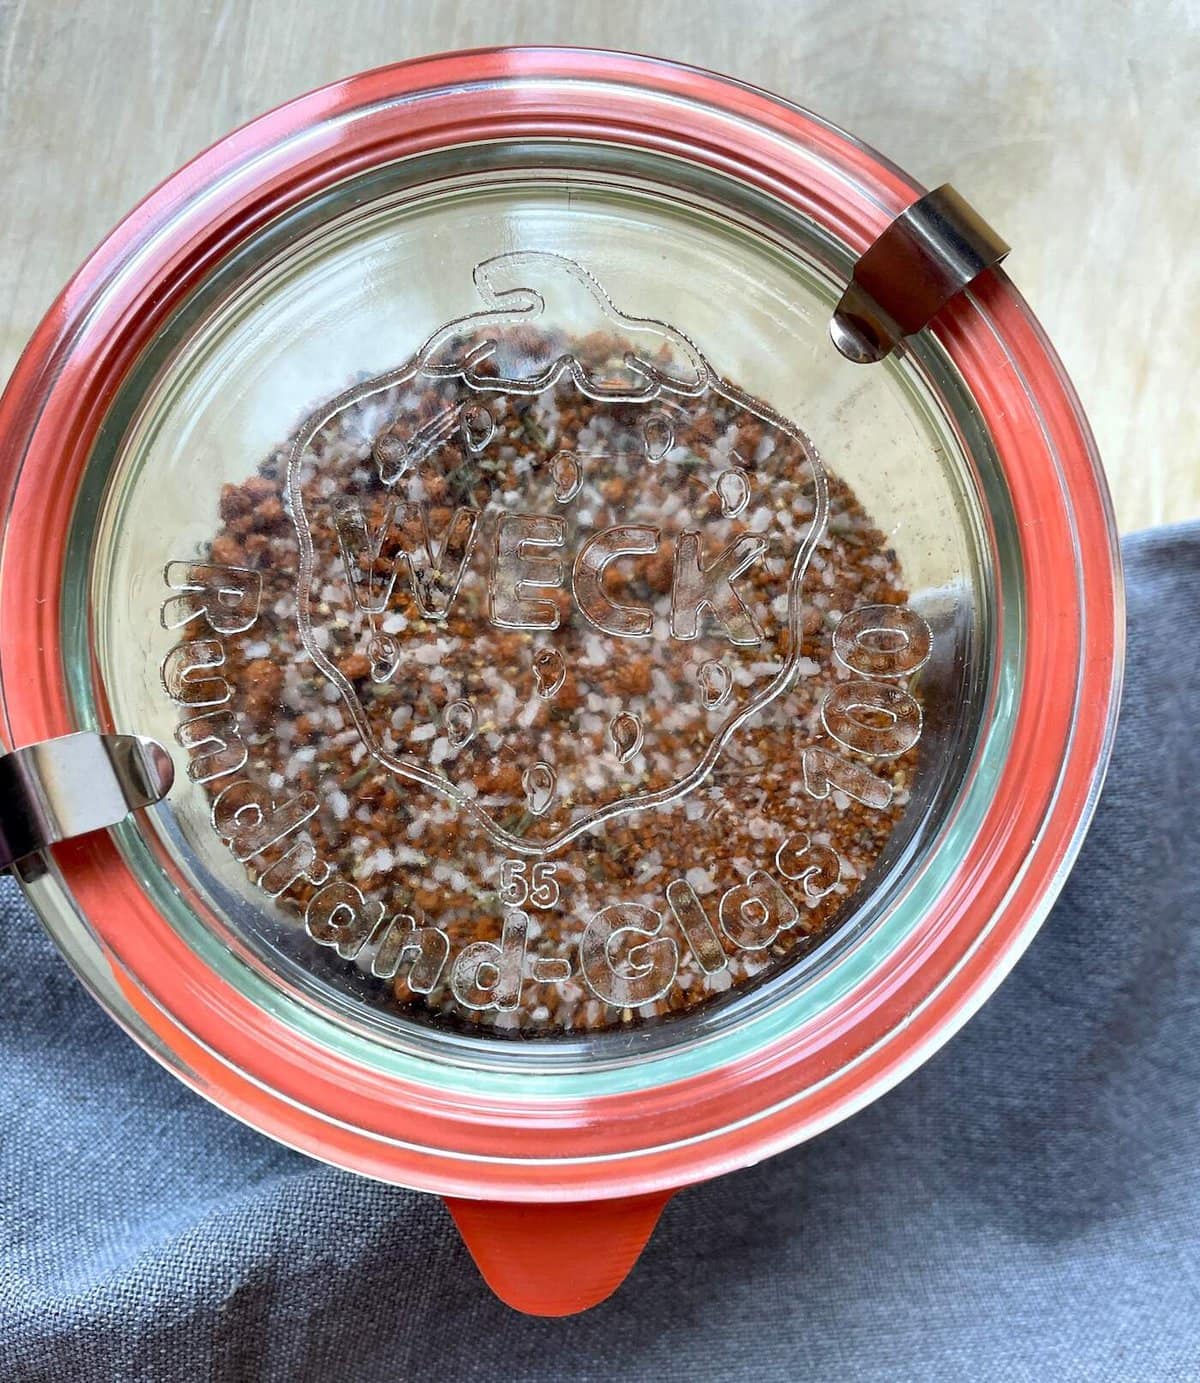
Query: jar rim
x,y
243,1057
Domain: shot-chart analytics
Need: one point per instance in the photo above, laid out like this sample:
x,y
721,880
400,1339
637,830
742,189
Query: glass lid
x,y
581,679
556,640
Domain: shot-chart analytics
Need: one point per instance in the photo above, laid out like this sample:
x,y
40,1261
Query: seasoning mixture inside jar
x,y
562,685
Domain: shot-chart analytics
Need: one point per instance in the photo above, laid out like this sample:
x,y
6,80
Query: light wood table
x,y
1072,126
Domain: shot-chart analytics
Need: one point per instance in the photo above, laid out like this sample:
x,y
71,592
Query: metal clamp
x,y
65,787
929,253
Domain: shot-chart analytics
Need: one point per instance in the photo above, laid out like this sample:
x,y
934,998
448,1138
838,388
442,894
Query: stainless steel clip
x,y
65,787
930,252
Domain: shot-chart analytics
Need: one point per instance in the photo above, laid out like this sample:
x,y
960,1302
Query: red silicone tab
x,y
554,1260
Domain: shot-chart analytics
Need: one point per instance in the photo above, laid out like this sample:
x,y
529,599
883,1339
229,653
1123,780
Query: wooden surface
x,y
1073,126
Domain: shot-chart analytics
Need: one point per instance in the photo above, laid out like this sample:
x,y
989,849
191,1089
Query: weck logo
x,y
492,558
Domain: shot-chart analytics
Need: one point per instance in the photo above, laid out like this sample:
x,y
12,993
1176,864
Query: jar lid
x,y
615,735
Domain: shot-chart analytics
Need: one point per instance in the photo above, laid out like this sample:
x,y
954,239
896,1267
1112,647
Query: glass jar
x,y
615,737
